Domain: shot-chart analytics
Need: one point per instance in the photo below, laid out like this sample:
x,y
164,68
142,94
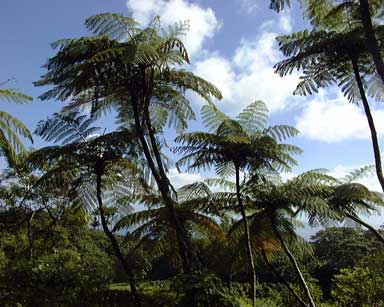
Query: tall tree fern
x,y
99,169
139,73
334,52
234,145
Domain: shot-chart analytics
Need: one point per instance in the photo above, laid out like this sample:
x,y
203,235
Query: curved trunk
x,y
162,181
187,249
294,263
247,236
115,244
372,44
372,128
279,276
366,225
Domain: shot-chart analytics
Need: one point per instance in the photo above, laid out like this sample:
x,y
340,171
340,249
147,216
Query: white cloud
x,y
286,22
249,74
203,22
180,179
248,6
335,120
218,70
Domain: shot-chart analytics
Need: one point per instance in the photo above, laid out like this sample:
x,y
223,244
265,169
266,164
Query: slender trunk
x,y
162,182
187,247
366,225
114,242
294,263
30,236
367,110
247,236
282,279
372,44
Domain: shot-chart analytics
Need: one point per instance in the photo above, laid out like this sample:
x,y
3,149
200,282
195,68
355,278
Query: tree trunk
x,y
247,236
294,263
163,185
282,279
30,236
372,44
372,128
366,225
187,247
114,242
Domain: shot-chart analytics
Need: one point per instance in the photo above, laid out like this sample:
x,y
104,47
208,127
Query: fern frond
x,y
66,128
115,26
359,173
212,117
281,132
194,190
14,96
254,117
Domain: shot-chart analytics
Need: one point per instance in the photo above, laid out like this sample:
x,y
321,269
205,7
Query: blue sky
x,y
231,44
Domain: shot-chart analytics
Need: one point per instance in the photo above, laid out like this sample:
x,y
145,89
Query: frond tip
x,y
14,96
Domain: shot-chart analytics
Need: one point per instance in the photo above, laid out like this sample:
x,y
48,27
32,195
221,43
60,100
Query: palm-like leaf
x,y
14,96
11,128
66,128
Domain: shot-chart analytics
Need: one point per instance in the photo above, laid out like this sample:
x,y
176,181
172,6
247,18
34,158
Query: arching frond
x,y
359,173
281,132
11,128
221,183
115,26
14,96
194,190
254,117
66,128
188,81
212,117
375,88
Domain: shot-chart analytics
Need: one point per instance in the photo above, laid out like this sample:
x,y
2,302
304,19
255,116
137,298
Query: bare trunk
x,y
163,185
295,265
247,236
372,128
372,43
114,242
187,248
279,276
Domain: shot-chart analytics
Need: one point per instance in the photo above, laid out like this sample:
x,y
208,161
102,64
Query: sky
x,y
231,43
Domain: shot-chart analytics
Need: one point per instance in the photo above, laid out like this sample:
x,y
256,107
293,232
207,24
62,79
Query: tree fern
x,y
139,72
336,54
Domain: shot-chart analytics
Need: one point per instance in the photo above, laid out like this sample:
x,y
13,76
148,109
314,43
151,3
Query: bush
x,y
205,290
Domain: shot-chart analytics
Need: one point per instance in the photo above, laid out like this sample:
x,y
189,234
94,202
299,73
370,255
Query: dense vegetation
x,y
93,220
